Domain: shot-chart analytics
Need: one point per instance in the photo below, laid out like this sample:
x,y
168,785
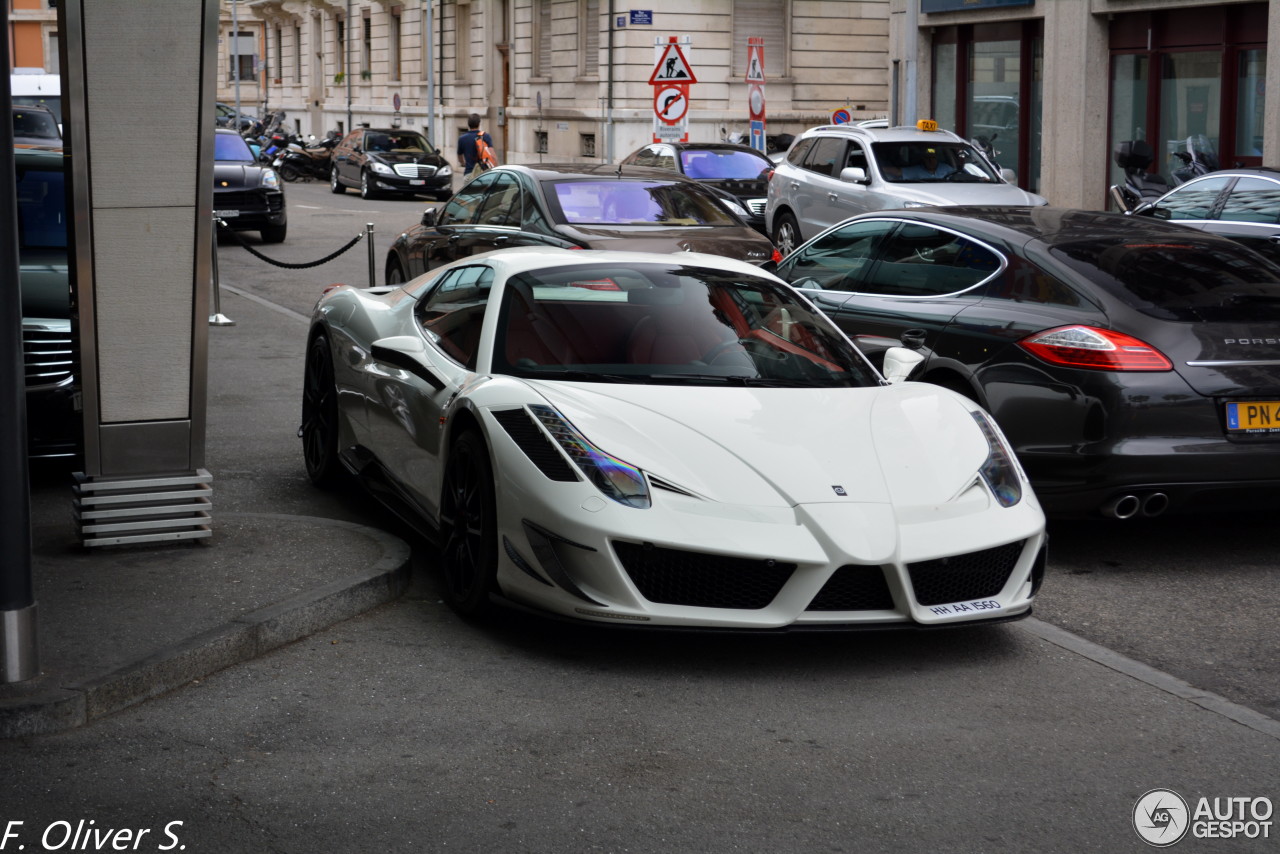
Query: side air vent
x,y
526,433
698,579
659,483
854,588
977,575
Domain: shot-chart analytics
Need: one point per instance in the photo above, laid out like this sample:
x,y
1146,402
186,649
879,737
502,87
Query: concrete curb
x,y
240,639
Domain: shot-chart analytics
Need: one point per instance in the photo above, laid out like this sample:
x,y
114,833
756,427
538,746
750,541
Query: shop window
x,y
1190,106
1250,101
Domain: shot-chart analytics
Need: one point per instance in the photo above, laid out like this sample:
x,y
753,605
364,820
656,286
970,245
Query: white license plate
x,y
226,214
976,606
416,182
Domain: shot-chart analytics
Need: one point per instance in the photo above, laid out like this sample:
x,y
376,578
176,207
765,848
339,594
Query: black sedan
x,y
1134,364
1243,204
247,195
738,171
381,161
574,206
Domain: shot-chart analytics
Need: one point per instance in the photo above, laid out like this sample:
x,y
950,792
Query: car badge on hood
x,y
839,490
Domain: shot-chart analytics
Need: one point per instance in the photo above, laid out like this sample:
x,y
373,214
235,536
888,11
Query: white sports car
x,y
680,441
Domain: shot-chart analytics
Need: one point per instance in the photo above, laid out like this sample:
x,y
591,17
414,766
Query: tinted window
x,y
1177,278
502,205
231,146
670,323
827,156
636,203
408,143
922,261
796,155
718,164
664,157
36,124
42,220
1195,200
452,313
931,161
837,260
1253,200
1022,281
462,207
643,157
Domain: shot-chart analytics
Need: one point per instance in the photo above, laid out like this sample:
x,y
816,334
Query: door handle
x,y
833,197
1275,238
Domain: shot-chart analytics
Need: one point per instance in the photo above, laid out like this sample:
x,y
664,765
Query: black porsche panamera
x,y
1133,363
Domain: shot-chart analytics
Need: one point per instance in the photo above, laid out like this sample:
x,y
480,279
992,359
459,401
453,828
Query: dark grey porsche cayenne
x,y
1134,364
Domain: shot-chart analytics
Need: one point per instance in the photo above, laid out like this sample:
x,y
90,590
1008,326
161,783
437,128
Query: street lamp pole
x,y
428,34
235,56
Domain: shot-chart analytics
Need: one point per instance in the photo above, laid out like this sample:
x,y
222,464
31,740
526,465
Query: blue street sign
x,y
757,136
641,17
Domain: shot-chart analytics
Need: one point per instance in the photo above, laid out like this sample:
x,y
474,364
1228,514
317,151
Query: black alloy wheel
x,y
786,234
395,273
366,186
335,185
468,522
319,430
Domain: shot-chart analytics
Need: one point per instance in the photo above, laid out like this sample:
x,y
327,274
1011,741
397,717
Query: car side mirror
x,y
1155,212
899,362
854,175
1009,176
429,216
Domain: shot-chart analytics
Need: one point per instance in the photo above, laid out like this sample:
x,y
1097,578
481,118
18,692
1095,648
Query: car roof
x,y
901,133
521,259
709,146
553,171
1048,225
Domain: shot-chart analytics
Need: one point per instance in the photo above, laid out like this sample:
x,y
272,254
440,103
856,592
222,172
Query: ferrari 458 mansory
x,y
665,440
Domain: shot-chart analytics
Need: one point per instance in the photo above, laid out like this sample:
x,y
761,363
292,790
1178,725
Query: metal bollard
x,y
368,235
217,318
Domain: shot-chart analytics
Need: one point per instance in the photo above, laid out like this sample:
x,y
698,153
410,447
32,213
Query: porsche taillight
x,y
1095,349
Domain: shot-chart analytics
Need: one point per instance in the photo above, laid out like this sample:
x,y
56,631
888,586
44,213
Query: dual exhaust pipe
x,y
1149,505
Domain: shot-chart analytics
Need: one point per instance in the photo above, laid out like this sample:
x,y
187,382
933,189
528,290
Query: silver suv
x,y
831,173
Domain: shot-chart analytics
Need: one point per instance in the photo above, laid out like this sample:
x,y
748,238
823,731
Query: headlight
x,y
381,168
1000,471
444,170
736,208
621,481
270,178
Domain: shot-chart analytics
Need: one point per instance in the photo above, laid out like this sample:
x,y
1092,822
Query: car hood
x,y
392,158
902,445
229,175
1005,195
45,285
742,243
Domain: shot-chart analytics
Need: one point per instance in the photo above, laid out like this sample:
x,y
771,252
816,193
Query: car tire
x,y
469,528
366,187
395,273
319,430
289,172
444,195
786,234
335,183
274,233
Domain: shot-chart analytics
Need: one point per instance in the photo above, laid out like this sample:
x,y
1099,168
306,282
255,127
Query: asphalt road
x,y
408,729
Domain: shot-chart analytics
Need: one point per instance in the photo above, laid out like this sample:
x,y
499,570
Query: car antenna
x,y
619,170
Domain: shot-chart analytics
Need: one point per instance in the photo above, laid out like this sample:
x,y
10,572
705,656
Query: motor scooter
x,y
1135,156
312,161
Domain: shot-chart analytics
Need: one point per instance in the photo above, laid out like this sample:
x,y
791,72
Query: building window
x,y
242,53
340,45
51,55
589,31
393,45
1249,102
297,53
588,144
366,46
540,141
765,19
279,54
542,38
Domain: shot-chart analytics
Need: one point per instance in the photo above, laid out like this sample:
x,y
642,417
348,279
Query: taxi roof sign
x,y
927,125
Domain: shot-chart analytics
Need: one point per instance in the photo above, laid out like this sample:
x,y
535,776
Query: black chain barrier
x,y
254,252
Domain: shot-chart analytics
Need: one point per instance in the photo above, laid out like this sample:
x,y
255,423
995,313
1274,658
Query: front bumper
x,y
248,210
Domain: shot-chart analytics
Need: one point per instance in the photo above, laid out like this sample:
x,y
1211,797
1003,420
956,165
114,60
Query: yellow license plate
x,y
1254,416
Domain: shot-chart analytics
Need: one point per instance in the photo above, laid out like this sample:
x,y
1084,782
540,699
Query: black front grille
x,y
854,588
677,577
960,578
537,447
248,201
47,356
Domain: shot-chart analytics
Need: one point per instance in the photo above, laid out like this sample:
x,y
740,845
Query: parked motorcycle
x,y
1197,156
1135,156
312,161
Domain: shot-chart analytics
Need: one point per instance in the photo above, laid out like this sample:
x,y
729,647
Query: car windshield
x,y
36,124
669,323
624,202
1181,279
924,162
722,164
398,142
231,146
42,220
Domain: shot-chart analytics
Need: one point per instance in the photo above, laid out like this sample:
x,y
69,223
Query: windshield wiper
x,y
586,376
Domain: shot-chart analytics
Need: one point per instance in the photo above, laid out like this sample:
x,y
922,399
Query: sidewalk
x,y
120,625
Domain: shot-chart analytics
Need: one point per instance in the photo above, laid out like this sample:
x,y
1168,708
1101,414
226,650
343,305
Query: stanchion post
x,y
368,236
217,318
